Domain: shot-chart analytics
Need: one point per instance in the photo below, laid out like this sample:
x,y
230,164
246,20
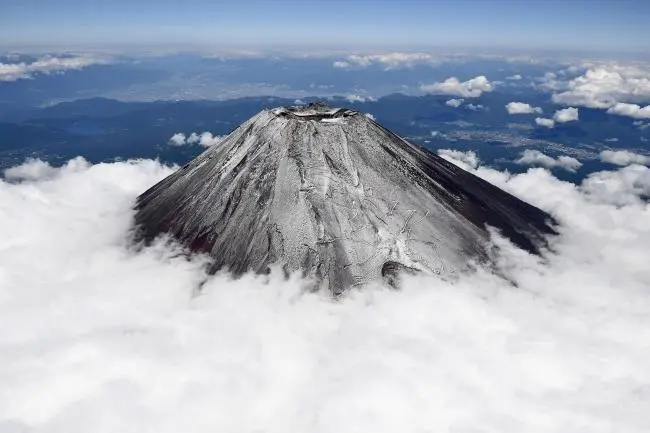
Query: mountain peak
x,y
317,111
329,192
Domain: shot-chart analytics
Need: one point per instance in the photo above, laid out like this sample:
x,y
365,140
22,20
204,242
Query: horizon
x,y
595,27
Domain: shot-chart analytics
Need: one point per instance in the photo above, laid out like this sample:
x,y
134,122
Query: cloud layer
x,y
100,336
472,88
47,65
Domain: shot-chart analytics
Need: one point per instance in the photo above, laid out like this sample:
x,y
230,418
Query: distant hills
x,y
101,129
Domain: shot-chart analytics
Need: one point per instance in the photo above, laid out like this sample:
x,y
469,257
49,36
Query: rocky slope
x,y
332,193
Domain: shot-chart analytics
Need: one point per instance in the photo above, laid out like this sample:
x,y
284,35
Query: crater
x,y
318,111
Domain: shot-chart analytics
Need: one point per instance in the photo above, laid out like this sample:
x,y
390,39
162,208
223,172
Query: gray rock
x,y
334,194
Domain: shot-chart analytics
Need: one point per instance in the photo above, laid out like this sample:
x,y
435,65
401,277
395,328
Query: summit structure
x,y
331,193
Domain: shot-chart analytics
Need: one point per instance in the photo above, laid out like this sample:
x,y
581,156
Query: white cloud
x,y
104,337
537,158
205,139
320,86
177,139
475,107
624,157
389,61
631,110
542,121
352,98
455,103
515,77
467,89
604,86
521,108
620,188
370,116
550,82
47,65
465,160
32,169
566,115
641,125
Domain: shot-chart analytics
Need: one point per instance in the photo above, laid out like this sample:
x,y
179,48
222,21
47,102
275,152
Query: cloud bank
x,y
100,336
47,65
472,88
535,157
521,108
205,139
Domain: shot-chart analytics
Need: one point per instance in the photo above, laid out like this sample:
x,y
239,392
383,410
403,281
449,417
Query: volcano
x,y
331,193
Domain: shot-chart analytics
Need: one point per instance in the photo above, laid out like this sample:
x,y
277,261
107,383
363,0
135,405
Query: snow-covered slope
x,y
332,193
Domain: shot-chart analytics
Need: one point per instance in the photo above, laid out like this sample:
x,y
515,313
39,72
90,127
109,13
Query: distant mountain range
x,y
101,129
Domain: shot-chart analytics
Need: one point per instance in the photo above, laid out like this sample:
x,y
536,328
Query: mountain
x,y
332,193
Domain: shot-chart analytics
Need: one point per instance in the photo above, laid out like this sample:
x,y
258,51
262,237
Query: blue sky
x,y
576,24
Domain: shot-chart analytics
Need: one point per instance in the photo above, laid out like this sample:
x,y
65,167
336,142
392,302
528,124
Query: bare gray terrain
x,y
333,194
